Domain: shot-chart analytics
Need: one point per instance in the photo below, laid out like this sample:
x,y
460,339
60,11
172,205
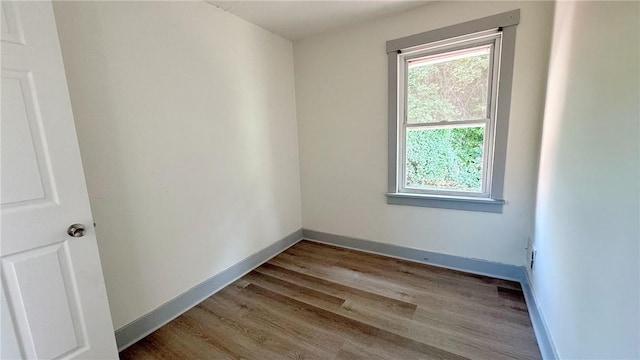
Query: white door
x,y
54,303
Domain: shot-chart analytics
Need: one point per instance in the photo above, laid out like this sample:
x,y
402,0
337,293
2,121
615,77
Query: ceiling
x,y
298,19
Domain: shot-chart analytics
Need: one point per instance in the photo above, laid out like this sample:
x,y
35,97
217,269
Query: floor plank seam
x,y
325,302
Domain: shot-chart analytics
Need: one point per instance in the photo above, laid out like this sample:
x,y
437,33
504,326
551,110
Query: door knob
x,y
76,230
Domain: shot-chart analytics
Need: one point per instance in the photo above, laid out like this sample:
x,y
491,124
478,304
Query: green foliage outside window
x,y
447,158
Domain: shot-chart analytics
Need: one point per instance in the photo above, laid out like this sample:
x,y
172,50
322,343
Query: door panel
x,y
11,29
54,302
24,170
49,326
9,347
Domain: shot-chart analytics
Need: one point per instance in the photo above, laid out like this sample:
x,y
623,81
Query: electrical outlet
x,y
534,254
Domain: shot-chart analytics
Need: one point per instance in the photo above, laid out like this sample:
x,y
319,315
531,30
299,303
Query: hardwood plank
x,y
399,264
316,301
417,276
468,319
171,341
295,291
374,300
392,286
272,321
468,339
364,333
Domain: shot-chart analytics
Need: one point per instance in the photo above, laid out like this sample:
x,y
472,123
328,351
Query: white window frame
x,y
498,31
493,39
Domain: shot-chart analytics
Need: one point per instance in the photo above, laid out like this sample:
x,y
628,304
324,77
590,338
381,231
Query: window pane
x,y
445,159
450,86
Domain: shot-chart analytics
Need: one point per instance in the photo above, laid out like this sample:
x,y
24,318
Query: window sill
x,y
446,202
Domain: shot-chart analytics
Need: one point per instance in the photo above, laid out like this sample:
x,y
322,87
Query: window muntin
x,y
448,94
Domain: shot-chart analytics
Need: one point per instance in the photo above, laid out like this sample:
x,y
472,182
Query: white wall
x,y
341,82
587,273
187,128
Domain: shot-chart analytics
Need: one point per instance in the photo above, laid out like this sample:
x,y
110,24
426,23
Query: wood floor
x,y
316,301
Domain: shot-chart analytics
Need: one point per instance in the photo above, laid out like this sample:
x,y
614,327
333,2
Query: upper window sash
x,y
492,38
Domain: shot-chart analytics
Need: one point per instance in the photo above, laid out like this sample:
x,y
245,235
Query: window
x,y
449,102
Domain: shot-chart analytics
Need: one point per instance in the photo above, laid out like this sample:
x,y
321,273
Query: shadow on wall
x,y
587,229
186,121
